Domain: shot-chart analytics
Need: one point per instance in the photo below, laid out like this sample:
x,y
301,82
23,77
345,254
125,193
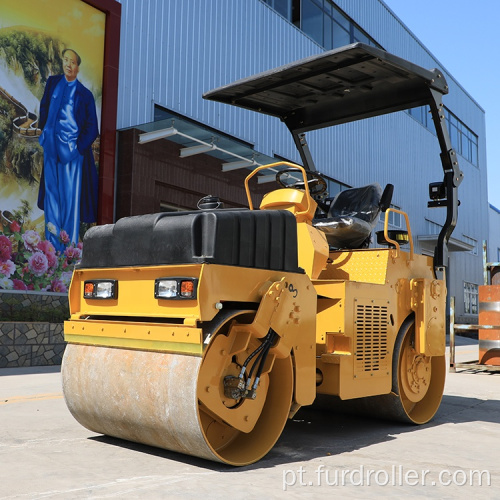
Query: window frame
x,y
471,298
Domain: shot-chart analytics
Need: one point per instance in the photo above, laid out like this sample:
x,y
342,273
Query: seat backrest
x,y
362,203
353,214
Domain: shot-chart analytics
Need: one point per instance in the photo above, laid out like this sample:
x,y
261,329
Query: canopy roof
x,y
342,85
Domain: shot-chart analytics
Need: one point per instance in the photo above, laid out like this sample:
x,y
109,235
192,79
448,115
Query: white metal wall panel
x,y
209,44
494,242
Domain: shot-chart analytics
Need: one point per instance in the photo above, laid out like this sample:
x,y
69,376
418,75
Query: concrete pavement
x,y
45,453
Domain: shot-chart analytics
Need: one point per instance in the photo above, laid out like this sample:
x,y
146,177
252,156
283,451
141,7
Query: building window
x,y
283,7
423,115
471,293
395,219
463,140
323,21
311,21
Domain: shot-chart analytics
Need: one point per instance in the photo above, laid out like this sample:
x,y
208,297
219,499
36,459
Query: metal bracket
x,y
304,151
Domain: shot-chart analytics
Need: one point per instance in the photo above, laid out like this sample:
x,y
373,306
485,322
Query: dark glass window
x,y
423,115
325,23
340,35
454,137
341,19
338,29
474,153
312,20
359,36
327,33
283,7
462,138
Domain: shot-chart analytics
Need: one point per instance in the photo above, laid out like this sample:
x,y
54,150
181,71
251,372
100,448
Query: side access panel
x,y
355,339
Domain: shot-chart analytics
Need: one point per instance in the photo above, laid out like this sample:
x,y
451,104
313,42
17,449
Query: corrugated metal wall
x,y
494,241
172,51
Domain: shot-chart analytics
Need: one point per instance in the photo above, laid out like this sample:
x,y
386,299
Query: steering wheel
x,y
317,185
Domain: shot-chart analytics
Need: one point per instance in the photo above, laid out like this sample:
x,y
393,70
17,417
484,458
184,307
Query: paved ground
x,y
45,453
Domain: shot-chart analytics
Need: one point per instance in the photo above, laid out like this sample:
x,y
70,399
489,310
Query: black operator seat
x,y
353,214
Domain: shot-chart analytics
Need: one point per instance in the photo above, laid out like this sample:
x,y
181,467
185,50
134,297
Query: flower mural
x,y
27,262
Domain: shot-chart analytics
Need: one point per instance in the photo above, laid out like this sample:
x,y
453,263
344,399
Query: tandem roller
x,y
202,332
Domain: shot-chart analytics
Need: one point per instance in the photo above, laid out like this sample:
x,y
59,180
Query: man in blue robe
x,y
68,185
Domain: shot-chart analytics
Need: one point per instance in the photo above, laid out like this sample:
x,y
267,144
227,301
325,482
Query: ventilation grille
x,y
371,339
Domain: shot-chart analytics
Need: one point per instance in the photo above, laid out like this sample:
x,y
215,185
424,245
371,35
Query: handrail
x,y
394,242
271,165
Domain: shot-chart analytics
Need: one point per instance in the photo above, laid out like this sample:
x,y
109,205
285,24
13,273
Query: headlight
x,y
176,288
166,289
100,289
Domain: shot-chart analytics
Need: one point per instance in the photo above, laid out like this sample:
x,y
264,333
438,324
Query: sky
x,y
463,36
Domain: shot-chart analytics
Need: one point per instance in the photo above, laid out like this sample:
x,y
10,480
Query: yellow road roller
x,y
203,331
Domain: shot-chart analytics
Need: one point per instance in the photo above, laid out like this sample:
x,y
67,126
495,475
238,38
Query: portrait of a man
x,y
68,184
